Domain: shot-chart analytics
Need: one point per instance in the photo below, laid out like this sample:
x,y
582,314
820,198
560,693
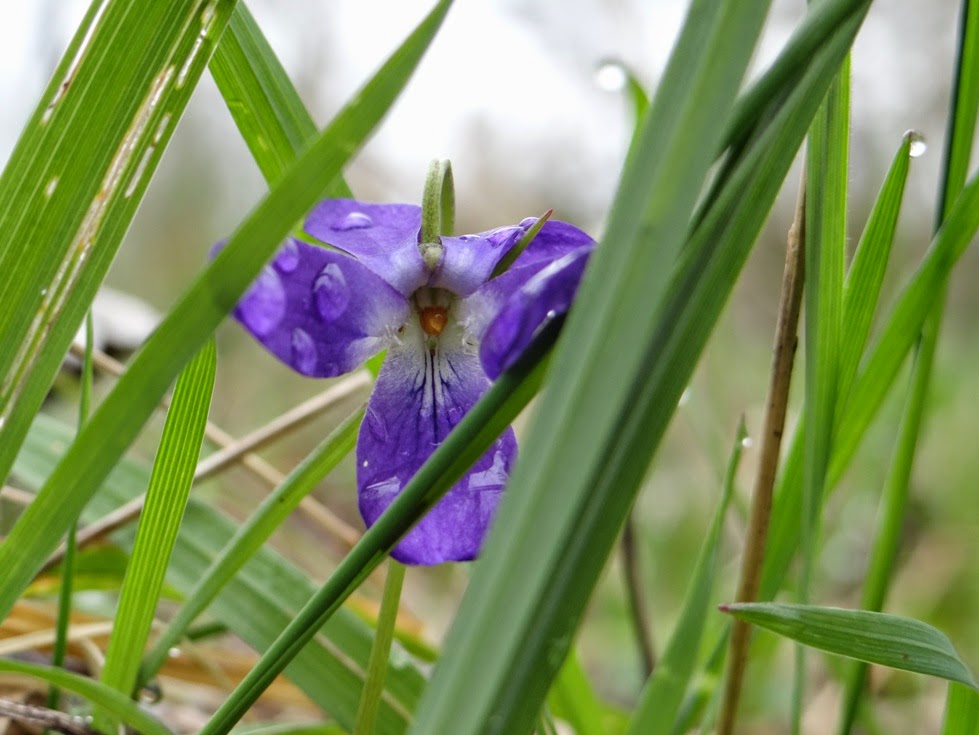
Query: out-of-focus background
x,y
520,96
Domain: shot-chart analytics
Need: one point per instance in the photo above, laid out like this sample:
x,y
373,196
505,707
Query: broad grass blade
x,y
877,638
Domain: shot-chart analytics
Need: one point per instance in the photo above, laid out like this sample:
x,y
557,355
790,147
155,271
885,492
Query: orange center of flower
x,y
433,319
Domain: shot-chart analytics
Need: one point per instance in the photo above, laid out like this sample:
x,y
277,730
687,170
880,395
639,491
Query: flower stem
x,y
370,698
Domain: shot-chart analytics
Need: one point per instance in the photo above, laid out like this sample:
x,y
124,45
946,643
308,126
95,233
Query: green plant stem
x,y
65,590
378,663
786,331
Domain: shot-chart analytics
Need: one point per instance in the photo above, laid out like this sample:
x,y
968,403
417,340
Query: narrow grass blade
x,y
257,603
119,705
961,711
545,548
77,176
861,291
827,160
573,699
196,315
265,105
660,701
166,497
252,535
877,638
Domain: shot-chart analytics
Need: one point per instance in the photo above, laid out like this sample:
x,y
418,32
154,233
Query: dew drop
x,y
264,305
376,426
390,486
611,76
917,146
746,443
454,415
526,222
331,292
551,313
287,259
354,221
303,351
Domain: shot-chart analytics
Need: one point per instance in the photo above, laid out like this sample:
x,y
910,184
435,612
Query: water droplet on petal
x,y
611,76
390,486
917,146
551,313
503,236
264,304
287,259
303,351
354,221
331,292
376,426
454,415
468,238
526,222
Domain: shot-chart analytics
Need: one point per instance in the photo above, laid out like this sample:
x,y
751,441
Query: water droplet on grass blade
x,y
611,75
917,146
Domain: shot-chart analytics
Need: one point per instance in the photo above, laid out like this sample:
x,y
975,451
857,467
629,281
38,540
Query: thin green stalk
x,y
377,665
68,565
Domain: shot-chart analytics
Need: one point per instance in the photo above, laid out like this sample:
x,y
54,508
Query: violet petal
x,y
320,311
384,237
470,259
419,396
543,297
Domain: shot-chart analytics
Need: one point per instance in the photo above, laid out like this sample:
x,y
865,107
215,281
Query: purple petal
x,y
540,299
419,396
384,237
470,259
319,311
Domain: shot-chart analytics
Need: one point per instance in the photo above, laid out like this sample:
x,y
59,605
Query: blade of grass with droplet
x,y
109,699
656,712
893,505
77,175
265,105
202,308
877,638
257,603
156,534
961,711
252,535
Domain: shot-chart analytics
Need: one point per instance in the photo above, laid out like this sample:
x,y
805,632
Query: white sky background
x,y
508,93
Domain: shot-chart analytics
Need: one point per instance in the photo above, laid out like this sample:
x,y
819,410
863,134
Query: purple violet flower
x,y
449,329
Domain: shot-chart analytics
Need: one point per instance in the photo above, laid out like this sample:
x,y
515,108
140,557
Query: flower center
x,y
433,319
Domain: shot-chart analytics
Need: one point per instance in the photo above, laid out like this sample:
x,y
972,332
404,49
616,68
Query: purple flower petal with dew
x,y
448,328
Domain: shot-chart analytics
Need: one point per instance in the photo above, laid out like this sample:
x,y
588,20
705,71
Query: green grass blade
x,y
662,696
861,291
78,174
166,497
464,445
573,699
592,440
119,705
257,603
961,711
877,638
196,315
252,535
827,158
265,105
